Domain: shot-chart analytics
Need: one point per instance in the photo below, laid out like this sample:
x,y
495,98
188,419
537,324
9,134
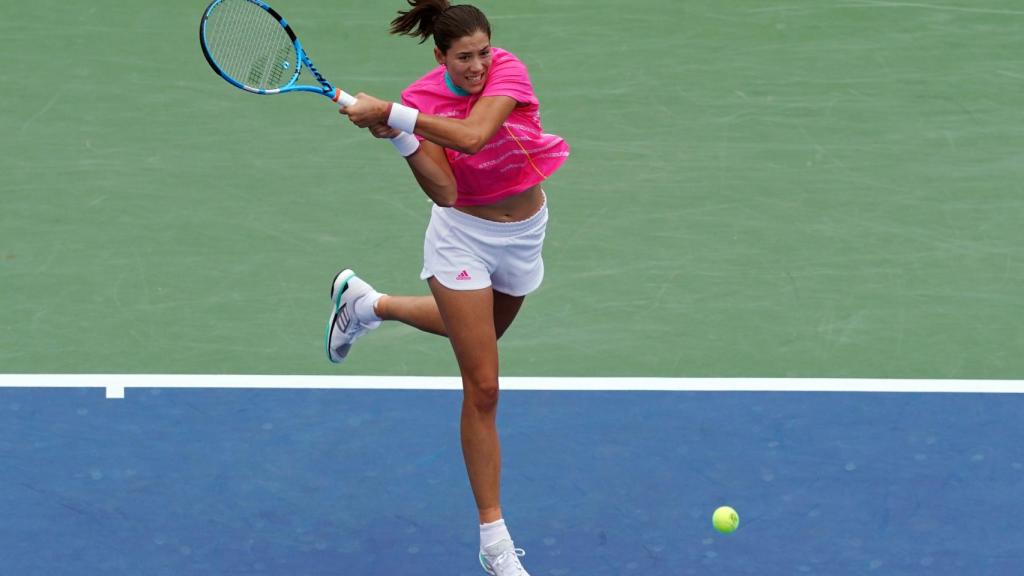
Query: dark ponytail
x,y
438,18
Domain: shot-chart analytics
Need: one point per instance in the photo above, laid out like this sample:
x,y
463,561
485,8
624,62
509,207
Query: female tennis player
x,y
480,154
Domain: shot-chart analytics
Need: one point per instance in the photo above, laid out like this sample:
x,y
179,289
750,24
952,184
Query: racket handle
x,y
343,98
405,143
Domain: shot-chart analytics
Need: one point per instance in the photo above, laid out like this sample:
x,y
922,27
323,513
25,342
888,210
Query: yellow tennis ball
x,y
725,520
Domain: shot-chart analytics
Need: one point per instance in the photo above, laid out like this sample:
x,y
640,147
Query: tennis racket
x,y
251,46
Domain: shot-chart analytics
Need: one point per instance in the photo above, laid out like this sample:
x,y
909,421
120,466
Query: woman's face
x,y
468,60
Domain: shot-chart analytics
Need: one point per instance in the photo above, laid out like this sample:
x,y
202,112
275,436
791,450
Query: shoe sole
x,y
338,287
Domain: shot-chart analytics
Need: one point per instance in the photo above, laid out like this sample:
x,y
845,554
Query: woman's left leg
x,y
421,312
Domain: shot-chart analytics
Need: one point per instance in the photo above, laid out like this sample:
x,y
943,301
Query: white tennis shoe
x,y
502,559
344,326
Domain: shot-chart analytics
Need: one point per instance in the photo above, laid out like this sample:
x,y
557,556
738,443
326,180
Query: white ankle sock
x,y
364,307
493,532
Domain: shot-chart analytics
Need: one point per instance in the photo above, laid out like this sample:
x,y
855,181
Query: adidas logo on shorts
x,y
463,276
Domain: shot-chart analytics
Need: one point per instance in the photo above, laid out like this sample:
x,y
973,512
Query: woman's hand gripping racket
x,y
251,46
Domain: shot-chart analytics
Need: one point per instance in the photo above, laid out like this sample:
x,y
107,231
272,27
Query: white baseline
x,y
115,384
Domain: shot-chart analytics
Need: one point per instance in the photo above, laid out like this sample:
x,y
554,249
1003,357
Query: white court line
x,y
115,384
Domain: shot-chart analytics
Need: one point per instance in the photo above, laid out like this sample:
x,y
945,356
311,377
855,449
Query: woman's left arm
x,y
467,135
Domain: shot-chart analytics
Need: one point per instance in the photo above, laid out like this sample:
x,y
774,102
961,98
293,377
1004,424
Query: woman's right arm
x,y
429,165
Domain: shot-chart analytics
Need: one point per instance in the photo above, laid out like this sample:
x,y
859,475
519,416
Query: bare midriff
x,y
511,209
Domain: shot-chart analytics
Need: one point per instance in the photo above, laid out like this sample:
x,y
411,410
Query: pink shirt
x,y
519,156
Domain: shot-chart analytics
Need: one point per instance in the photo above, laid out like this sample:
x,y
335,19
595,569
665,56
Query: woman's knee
x,y
481,389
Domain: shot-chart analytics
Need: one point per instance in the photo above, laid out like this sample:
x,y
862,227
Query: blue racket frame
x,y
326,88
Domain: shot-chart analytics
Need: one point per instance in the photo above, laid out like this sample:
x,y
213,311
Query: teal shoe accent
x,y
336,291
485,565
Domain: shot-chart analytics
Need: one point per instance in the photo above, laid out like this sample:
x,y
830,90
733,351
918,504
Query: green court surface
x,y
798,188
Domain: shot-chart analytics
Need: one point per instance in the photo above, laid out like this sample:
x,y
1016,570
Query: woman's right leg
x,y
473,338
469,318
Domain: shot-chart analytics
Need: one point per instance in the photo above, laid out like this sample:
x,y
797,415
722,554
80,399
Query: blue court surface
x,y
371,482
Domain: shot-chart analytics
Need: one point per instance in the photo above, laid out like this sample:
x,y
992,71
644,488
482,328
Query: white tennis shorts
x,y
468,253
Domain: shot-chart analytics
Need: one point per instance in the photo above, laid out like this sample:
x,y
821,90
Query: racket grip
x,y
405,143
343,98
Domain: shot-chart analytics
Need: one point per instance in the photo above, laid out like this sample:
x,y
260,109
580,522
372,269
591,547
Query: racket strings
x,y
250,45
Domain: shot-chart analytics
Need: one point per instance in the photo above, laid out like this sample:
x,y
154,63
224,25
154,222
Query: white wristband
x,y
406,144
403,118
